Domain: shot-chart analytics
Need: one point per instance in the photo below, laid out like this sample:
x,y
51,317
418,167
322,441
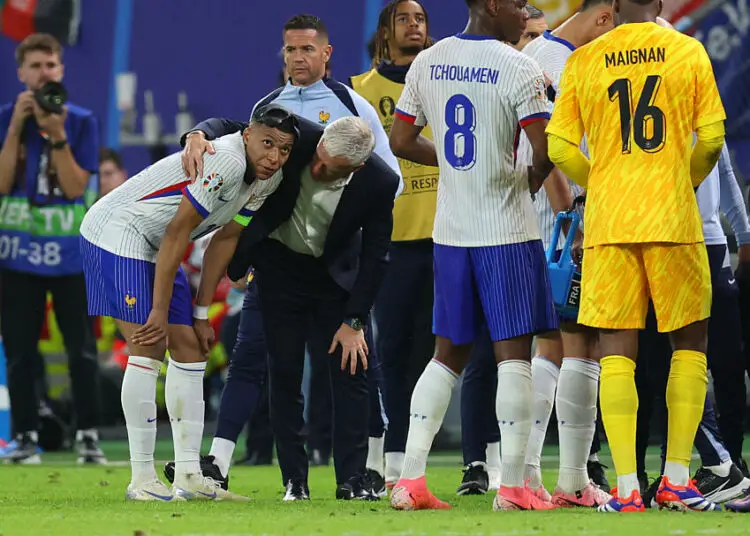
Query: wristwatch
x,y
354,323
57,145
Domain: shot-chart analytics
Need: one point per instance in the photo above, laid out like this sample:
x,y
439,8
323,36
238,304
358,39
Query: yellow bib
x,y
414,211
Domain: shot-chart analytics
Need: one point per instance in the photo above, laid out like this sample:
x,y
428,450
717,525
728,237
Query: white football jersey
x,y
474,92
131,221
551,53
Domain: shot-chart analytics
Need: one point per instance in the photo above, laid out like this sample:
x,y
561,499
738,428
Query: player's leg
x,y
680,283
516,297
120,288
454,325
480,436
576,403
545,371
614,300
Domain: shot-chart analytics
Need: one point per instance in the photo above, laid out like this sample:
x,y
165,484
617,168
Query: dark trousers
x,y
298,297
403,313
478,393
725,358
248,371
320,405
23,299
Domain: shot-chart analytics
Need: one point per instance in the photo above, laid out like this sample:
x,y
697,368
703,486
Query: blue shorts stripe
x,y
505,286
122,288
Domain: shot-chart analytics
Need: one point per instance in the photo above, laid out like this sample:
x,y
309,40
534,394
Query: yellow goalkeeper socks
x,y
619,403
686,396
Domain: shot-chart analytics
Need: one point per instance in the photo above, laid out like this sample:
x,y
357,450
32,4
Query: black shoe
x,y
27,451
317,459
255,459
476,480
742,466
643,483
296,491
378,483
649,497
720,489
598,475
87,444
357,488
208,468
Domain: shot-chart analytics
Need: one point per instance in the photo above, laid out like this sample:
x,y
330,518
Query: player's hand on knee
x,y
192,155
353,347
205,334
153,331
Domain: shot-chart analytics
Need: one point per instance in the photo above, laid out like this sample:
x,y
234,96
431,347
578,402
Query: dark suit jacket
x,y
356,247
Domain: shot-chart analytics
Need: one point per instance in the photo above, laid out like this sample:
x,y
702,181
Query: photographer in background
x,y
48,157
111,171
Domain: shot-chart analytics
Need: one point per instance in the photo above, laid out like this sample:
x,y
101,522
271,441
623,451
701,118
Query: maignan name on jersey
x,y
632,57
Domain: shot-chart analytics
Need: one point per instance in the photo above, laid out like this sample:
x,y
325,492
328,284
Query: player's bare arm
x,y
215,261
542,164
172,250
192,155
706,151
407,142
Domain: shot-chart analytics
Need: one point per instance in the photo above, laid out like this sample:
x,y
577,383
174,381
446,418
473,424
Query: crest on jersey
x,y
213,182
323,117
540,89
130,301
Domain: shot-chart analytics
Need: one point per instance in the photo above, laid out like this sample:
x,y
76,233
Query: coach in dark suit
x,y
319,249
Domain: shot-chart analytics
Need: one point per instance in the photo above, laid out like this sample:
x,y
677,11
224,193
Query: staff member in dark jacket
x,y
319,249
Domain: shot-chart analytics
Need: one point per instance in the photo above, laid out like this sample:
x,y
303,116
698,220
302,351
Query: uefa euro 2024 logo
x,y
213,182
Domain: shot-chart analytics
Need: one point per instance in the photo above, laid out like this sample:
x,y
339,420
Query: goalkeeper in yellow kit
x,y
638,94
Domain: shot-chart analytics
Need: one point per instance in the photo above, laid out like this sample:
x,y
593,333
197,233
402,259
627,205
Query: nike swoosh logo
x,y
731,281
223,200
151,420
162,497
209,495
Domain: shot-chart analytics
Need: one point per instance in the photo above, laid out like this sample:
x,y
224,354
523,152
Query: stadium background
x,y
225,55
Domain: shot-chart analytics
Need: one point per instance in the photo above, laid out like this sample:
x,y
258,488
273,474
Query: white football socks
x,y
375,458
513,408
677,473
138,397
184,397
544,375
222,450
577,391
429,402
394,466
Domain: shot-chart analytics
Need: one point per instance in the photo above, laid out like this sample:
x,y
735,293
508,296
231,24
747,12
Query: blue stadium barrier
x,y
4,398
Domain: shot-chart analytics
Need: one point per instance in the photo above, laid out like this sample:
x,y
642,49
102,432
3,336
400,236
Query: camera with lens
x,y
51,97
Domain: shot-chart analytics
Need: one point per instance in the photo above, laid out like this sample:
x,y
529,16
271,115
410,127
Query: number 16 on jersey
x,y
460,142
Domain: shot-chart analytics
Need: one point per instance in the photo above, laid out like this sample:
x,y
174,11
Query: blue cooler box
x,y
564,272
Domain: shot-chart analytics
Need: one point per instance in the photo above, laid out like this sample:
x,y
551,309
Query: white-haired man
x,y
319,252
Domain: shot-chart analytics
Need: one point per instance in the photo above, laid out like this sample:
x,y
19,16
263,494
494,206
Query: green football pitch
x,y
58,498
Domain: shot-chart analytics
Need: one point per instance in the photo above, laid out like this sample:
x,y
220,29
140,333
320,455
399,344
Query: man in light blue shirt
x,y
318,98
